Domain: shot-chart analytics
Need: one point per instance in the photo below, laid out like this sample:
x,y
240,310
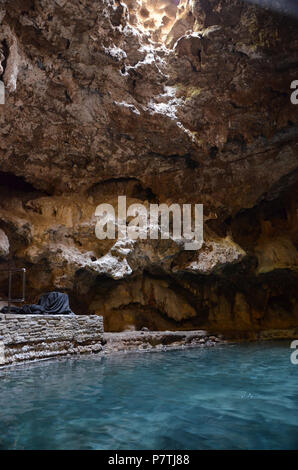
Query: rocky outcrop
x,y
184,102
141,341
4,245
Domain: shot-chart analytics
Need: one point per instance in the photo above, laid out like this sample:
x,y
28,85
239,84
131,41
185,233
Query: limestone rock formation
x,y
163,101
4,245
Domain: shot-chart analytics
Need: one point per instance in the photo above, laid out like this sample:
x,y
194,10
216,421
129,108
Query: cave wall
x,y
190,109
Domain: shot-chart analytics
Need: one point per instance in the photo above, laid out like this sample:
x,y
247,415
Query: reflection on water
x,y
229,397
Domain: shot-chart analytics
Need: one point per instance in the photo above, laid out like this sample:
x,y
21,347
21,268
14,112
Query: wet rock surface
x,y
128,341
184,102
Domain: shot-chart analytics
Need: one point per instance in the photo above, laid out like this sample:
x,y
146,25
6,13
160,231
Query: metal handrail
x,y
10,272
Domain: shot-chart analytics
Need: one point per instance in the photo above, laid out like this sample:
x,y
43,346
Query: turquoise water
x,y
229,397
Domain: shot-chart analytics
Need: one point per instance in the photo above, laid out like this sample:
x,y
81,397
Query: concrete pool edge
x,y
31,338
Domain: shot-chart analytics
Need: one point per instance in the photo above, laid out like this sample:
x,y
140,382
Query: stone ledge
x,y
35,337
158,340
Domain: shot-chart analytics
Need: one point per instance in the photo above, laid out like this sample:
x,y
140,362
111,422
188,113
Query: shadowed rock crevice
x,y
16,185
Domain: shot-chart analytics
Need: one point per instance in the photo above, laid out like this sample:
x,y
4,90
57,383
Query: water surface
x,y
229,397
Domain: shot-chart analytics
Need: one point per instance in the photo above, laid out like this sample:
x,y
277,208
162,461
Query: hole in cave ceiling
x,y
158,16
